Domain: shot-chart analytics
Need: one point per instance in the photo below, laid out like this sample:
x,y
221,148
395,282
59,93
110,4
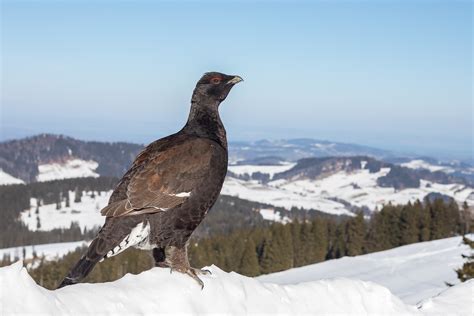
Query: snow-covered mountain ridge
x,y
339,185
22,158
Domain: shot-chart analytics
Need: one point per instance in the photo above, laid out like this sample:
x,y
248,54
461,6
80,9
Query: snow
x,y
271,170
73,168
5,179
386,282
157,291
455,300
359,188
52,251
421,164
86,213
264,193
269,214
413,272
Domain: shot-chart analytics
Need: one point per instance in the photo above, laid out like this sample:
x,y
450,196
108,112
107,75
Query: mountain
x,y
49,157
294,149
341,185
335,184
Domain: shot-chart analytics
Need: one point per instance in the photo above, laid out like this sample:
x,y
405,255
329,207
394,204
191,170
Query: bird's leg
x,y
159,256
178,260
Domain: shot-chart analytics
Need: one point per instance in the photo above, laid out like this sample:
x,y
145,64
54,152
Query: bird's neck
x,y
204,121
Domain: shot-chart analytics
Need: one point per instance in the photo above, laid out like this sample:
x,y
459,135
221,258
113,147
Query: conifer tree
x,y
439,220
278,251
77,195
296,227
408,225
307,244
467,271
465,219
249,263
355,233
424,220
321,239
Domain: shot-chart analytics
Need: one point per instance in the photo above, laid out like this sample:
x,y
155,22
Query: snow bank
x,y
159,292
413,272
456,300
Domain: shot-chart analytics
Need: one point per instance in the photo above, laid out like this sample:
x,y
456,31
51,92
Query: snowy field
x,y
5,178
158,292
74,168
46,251
421,164
413,272
86,213
359,188
271,170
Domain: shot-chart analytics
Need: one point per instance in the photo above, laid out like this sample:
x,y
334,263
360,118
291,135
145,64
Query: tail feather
x,y
114,237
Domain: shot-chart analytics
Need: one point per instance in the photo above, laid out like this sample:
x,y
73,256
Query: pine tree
x,y
298,259
77,195
278,251
355,233
440,222
68,202
467,271
321,240
249,263
424,220
307,244
465,219
408,225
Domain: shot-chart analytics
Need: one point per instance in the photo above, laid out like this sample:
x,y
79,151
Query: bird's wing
x,y
165,179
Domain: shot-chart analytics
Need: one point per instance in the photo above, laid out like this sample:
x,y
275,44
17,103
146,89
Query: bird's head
x,y
213,87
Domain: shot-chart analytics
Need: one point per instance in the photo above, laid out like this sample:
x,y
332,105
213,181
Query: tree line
x,y
281,247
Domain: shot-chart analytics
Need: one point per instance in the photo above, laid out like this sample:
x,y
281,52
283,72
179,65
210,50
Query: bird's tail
x,y
84,266
113,238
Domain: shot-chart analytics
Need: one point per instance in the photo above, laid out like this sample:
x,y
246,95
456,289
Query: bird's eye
x,y
216,80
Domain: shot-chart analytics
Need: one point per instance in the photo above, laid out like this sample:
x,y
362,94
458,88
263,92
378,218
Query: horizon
x,y
389,75
393,153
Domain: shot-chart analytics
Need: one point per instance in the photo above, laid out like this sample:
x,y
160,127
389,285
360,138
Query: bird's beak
x,y
235,80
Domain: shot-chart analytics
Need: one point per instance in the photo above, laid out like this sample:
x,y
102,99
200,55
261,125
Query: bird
x,y
168,190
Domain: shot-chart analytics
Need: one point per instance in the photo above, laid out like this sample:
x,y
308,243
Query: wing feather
x,y
164,179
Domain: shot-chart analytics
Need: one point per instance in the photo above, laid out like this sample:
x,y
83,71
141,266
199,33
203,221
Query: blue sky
x,y
391,74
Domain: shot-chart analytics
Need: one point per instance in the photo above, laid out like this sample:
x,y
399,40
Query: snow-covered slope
x,y
5,178
339,192
86,213
413,272
159,292
421,164
73,168
267,169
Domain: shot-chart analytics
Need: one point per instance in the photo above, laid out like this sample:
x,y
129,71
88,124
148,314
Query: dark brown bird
x,y
168,190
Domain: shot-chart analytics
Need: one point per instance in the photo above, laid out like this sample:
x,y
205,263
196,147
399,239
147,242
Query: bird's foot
x,y
193,272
